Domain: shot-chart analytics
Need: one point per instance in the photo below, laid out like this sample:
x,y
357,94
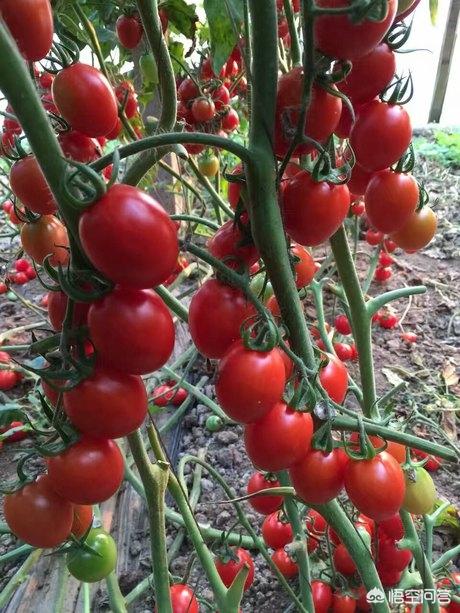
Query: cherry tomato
x,y
108,404
338,37
344,351
31,25
316,524
87,472
322,596
342,325
376,487
383,123
228,569
259,378
129,30
234,189
220,96
188,90
209,165
323,113
29,185
121,252
216,314
126,96
373,237
230,120
279,439
334,378
343,561
319,476
304,266
82,519
343,603
37,515
203,110
385,259
357,208
46,236
359,180
388,321
276,530
418,230
285,564
57,306
389,578
95,561
233,245
390,557
313,211
116,131
397,450
420,492
182,599
392,528
382,273
85,99
79,147
263,504
391,199
433,463
370,75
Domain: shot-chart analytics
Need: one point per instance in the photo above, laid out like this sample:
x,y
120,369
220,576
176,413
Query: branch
x,y
403,292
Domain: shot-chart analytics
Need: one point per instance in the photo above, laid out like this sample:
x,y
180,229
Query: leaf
x,y
182,16
433,11
449,375
449,517
223,28
176,50
392,377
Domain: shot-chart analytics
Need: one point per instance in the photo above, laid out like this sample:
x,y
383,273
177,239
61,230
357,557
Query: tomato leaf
x,y
223,27
449,517
433,11
182,16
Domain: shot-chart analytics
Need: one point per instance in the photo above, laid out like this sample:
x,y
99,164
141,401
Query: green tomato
x,y
403,5
91,566
149,68
214,423
420,493
257,288
209,166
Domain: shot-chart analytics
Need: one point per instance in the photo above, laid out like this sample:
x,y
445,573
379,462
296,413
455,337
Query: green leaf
x,y
448,518
176,50
223,26
182,16
433,11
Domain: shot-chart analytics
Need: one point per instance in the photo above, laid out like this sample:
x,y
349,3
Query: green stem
x,y
116,599
154,479
179,412
15,553
217,200
360,320
197,220
19,576
295,45
86,598
172,302
180,178
446,558
403,292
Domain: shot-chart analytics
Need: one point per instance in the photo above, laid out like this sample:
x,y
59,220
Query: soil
x,y
428,367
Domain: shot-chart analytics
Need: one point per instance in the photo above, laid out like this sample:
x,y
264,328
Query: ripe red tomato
x,y
343,603
79,147
85,99
188,90
319,476
29,185
316,524
31,25
359,179
373,237
388,321
13,377
20,278
342,325
88,472
46,236
343,561
234,189
338,37
57,305
383,123
322,117
391,199
279,439
334,378
382,273
182,599
276,530
108,404
230,244
228,569
385,259
389,578
391,557
8,380
397,450
230,120
259,377
285,564
127,98
392,527
370,75
220,96
263,504
129,30
116,131
344,351
357,208
37,515
21,265
203,110
82,519
433,463
322,596
216,314
304,266
132,330
418,230
125,255
313,211
376,487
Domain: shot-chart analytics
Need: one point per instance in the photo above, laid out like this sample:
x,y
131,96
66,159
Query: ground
x,y
428,366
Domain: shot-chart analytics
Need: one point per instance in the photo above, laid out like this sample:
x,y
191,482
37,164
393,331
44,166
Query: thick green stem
x,y
360,319
172,302
154,479
403,292
295,45
116,600
19,577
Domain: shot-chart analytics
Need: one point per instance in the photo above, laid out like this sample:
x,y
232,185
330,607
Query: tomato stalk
x,y
429,522
295,45
116,600
19,577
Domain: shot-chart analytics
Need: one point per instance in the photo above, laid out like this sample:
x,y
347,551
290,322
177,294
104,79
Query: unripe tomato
x,y
46,236
228,569
85,99
28,183
418,230
129,30
209,166
319,476
420,492
96,561
263,504
31,25
390,199
149,68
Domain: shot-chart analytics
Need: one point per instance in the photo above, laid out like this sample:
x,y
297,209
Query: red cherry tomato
x,y
203,110
343,603
390,557
88,472
387,124
85,99
188,90
263,504
359,180
383,273
342,325
334,378
338,37
132,330
388,321
285,564
304,266
344,352
230,244
121,252
373,237
46,236
82,519
31,25
279,439
57,305
230,120
376,487
389,578
216,314
316,524
313,211
79,147
418,230
37,515
228,569
129,30
220,96
391,198
183,599
322,596
392,528
319,477
276,530
343,561
259,377
29,185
